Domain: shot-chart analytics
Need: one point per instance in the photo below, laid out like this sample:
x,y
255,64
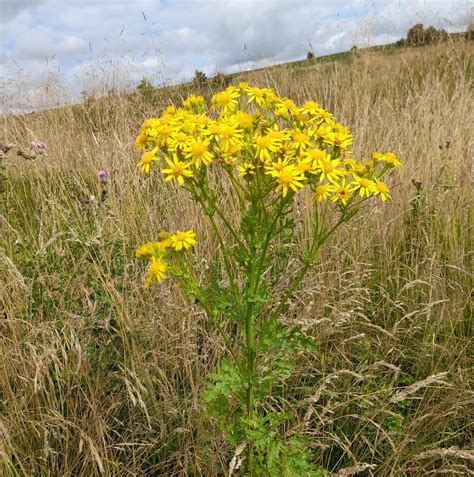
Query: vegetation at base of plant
x,y
262,150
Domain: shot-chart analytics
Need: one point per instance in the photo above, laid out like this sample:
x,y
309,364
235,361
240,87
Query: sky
x,y
74,45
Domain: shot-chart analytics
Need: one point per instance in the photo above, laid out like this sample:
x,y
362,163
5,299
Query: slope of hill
x,y
102,377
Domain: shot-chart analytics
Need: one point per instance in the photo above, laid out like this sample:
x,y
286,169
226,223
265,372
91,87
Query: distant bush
x,y
310,55
418,36
146,90
200,78
220,80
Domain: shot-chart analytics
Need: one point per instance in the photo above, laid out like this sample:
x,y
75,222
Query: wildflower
x,y
391,160
382,190
177,170
364,186
147,160
225,100
244,120
103,176
305,164
178,141
230,137
289,178
342,192
141,142
340,139
264,145
183,239
300,140
276,167
311,108
247,169
156,271
197,150
39,146
322,192
329,168
257,95
194,102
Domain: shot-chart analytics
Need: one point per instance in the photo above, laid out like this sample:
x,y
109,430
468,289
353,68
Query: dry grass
x,y
99,376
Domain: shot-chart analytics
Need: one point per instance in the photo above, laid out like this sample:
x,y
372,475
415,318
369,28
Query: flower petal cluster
x,y
255,134
160,254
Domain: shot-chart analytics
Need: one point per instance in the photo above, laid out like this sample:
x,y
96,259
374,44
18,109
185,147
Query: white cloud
x,y
176,37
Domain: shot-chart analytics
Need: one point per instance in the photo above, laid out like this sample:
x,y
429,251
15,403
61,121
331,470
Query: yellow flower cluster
x,y
256,133
158,253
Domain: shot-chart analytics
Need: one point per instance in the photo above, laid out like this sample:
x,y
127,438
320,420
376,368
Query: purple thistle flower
x,y
39,146
103,176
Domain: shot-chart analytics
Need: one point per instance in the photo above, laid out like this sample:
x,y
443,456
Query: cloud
x,y
169,40
9,9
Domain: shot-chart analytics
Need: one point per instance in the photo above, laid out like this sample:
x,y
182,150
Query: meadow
x,y
100,376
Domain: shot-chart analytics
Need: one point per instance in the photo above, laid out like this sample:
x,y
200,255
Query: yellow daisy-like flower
x,y
246,169
275,168
226,100
264,145
147,160
342,192
311,108
339,139
178,141
244,120
197,150
257,95
289,178
194,102
322,192
152,249
182,240
177,170
156,271
231,137
382,190
364,185
300,140
329,169
305,164
391,159
141,142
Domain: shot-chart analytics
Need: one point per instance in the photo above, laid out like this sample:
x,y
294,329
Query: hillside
x,y
100,376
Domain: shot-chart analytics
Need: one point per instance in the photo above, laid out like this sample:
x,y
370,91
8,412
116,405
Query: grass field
x,y
100,376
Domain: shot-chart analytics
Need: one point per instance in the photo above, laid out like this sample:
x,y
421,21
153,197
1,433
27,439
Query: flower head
x,y
103,176
182,240
177,170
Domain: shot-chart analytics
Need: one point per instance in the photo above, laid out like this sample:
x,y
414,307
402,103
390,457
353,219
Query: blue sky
x,y
82,42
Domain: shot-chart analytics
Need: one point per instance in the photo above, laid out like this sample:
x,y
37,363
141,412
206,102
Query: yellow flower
x,y
177,170
257,95
382,190
391,159
244,120
156,271
147,160
364,185
226,100
289,178
311,108
323,191
141,141
342,192
305,164
339,139
329,168
194,102
276,167
231,137
152,249
264,145
247,169
178,141
182,240
300,140
197,150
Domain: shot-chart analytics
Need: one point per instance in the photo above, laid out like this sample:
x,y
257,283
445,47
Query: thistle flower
x,y
103,176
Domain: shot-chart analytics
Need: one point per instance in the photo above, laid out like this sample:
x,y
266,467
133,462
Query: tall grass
x,y
101,377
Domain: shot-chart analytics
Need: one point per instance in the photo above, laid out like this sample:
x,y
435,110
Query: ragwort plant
x,y
257,150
